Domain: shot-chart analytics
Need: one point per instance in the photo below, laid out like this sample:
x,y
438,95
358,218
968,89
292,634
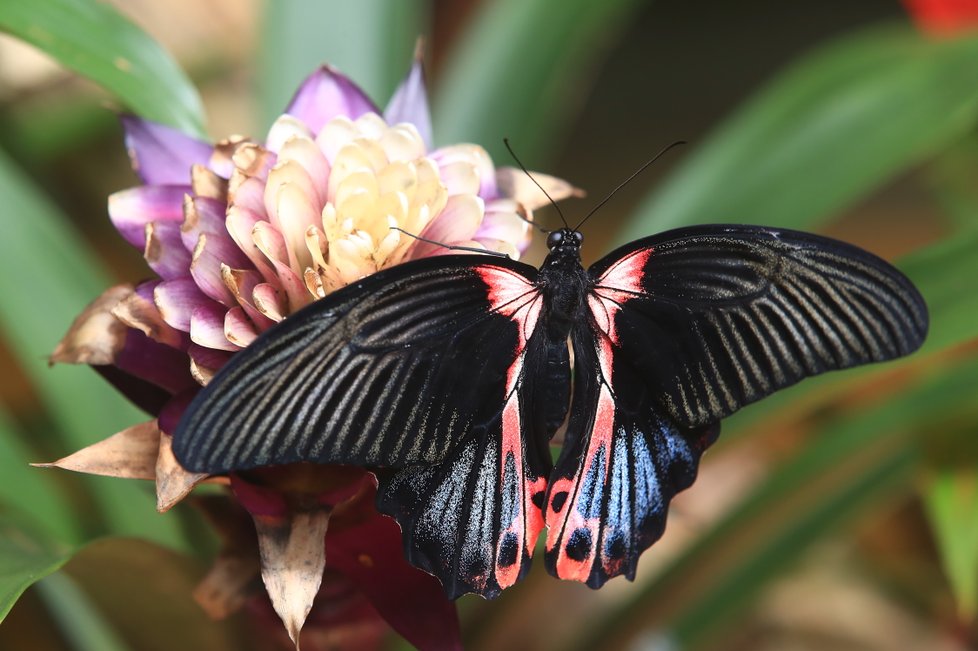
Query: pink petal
x,y
325,94
447,156
413,602
242,283
241,224
207,328
211,252
504,223
176,300
130,210
248,193
164,251
410,101
238,328
162,155
456,223
270,301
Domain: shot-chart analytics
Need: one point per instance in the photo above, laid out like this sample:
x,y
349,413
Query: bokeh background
x,y
840,514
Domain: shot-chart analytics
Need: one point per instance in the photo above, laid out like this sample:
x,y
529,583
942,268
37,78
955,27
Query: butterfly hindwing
x,y
717,317
622,462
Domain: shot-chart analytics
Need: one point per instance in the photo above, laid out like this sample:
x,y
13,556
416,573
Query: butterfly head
x,y
565,242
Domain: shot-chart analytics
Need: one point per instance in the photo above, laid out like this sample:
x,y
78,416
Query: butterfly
x,y
448,376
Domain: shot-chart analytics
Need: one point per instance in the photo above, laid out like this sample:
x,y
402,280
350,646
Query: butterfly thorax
x,y
563,282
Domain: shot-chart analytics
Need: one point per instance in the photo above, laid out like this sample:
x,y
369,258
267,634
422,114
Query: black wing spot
x,y
507,550
557,503
615,548
579,546
476,567
539,498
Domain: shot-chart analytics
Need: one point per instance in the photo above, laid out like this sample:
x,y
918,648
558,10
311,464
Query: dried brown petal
x,y
96,336
206,183
130,454
139,311
514,184
173,482
293,558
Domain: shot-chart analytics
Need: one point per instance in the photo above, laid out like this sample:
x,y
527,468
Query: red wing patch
x,y
521,519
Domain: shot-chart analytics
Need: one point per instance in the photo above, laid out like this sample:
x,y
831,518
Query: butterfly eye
x,y
578,237
555,239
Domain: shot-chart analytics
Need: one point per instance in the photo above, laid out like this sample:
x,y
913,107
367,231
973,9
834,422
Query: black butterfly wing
x,y
717,317
682,329
623,460
419,369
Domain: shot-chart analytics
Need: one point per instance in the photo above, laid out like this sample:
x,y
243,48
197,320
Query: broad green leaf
x,y
30,493
951,501
93,39
848,464
76,618
520,70
824,133
144,592
952,177
299,35
46,278
25,558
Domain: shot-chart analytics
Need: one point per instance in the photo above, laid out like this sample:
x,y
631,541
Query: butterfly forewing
x,y
719,317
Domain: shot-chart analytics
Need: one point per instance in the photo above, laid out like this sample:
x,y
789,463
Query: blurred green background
x,y
840,514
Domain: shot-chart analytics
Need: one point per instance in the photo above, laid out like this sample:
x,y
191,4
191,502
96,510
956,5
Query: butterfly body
x,y
449,376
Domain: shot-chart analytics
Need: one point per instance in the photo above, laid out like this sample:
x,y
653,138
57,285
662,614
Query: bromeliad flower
x,y
241,234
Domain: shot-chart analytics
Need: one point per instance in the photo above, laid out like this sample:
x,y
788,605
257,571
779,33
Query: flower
x,y
944,17
240,235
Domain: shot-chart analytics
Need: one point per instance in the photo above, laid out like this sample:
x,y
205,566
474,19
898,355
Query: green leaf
x,y
521,69
951,501
299,35
93,39
144,592
24,559
76,617
848,464
824,133
31,493
46,278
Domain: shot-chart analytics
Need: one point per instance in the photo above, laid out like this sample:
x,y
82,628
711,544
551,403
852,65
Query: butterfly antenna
x,y
527,172
450,247
629,180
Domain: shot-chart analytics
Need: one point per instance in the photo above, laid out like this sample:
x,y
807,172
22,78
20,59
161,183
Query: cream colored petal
x,y
337,133
241,224
304,152
253,161
352,159
293,558
514,184
206,183
284,128
296,214
129,454
402,143
371,125
173,482
96,336
220,161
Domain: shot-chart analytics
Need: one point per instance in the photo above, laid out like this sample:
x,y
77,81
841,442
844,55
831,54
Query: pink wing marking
x,y
577,535
511,295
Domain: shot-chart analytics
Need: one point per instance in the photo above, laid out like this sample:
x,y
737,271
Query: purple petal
x,y
164,252
207,328
207,362
412,601
154,362
410,103
130,210
173,410
177,299
162,155
203,216
212,251
326,94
